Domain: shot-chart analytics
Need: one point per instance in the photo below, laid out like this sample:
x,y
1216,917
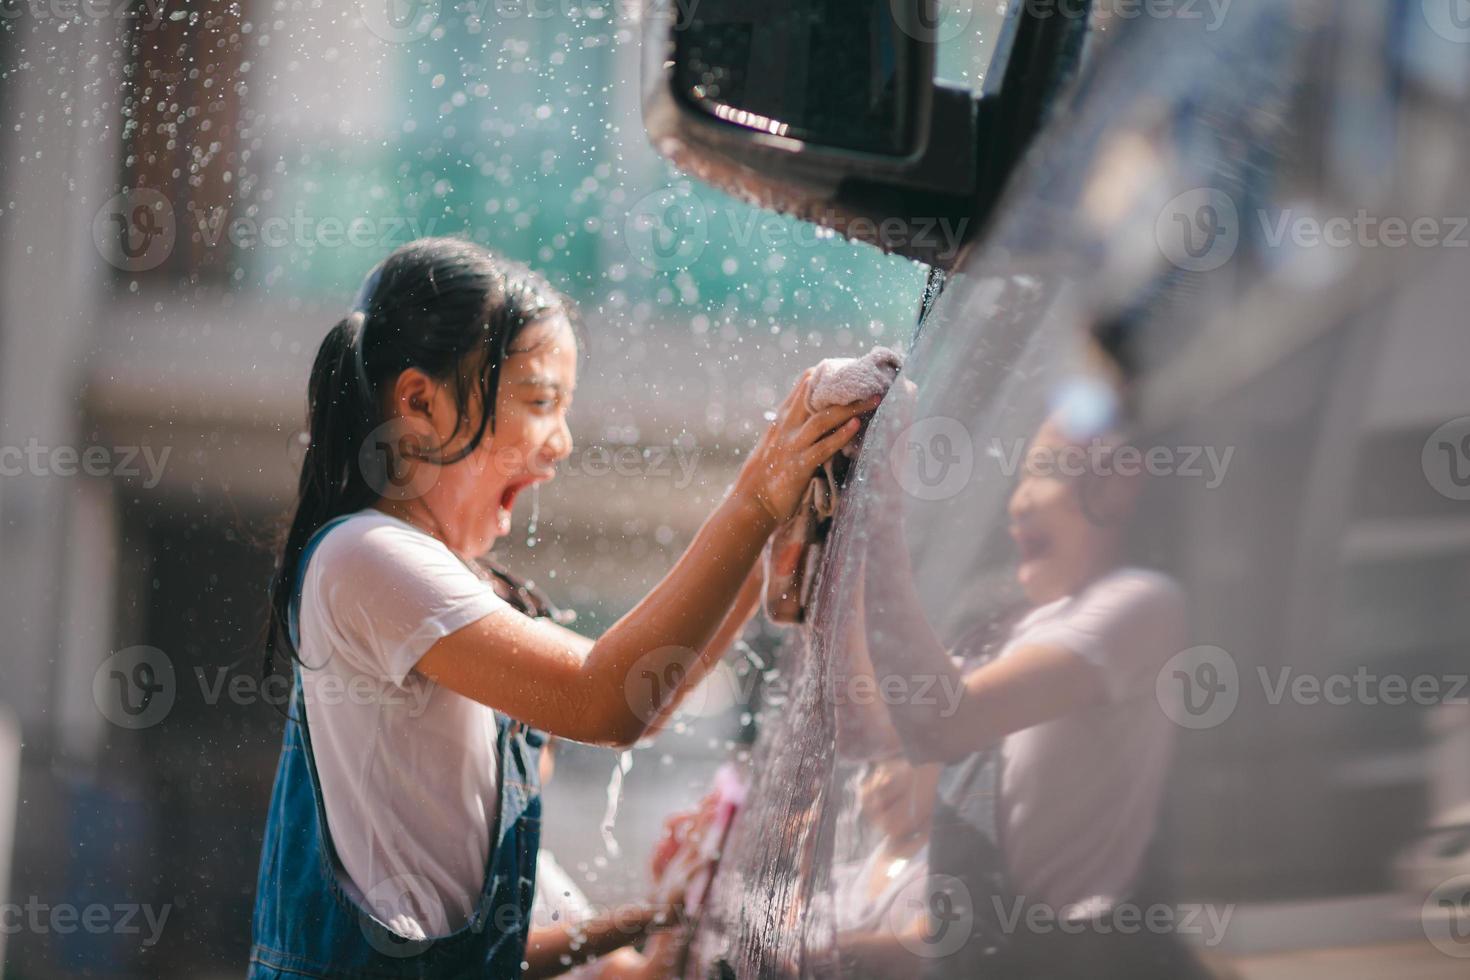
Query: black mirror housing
x,y
834,116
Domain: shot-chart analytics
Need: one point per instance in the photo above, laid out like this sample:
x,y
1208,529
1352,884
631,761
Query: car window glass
x,y
1164,564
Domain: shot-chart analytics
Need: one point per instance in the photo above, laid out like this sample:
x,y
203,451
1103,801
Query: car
x,y
1184,402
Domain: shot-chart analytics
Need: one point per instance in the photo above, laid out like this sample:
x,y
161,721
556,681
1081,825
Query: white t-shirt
x,y
1079,796
559,901
408,769
855,911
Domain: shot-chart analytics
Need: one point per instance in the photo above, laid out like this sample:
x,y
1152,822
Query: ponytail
x,y
339,413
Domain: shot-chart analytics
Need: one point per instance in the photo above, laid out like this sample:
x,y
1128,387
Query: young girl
x,y
403,827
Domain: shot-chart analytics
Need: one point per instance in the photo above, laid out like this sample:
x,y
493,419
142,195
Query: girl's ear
x,y
414,395
424,410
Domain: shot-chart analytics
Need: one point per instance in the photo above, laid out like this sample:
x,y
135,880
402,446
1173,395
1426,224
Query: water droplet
x,y
614,799
535,520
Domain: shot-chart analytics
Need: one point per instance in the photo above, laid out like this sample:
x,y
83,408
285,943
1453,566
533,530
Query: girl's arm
x,y
536,673
734,623
662,922
658,961
549,946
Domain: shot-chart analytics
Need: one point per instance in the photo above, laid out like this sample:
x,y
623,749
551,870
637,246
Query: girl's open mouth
x,y
508,500
513,490
1030,543
509,494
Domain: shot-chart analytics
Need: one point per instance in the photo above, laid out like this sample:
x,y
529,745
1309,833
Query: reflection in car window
x,y
1127,494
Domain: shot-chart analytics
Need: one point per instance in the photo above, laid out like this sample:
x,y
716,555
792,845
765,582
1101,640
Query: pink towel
x,y
795,551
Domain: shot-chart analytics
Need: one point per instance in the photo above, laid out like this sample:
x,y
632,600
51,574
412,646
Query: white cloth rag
x,y
844,380
795,551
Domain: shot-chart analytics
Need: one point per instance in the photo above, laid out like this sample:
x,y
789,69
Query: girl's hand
x,y
779,468
682,831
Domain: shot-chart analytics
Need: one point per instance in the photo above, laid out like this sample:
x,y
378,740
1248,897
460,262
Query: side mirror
x,y
829,110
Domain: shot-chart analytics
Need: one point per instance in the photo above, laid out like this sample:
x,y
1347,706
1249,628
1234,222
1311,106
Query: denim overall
x,y
307,925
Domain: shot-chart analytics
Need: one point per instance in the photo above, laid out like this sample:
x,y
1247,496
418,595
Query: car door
x,y
1185,416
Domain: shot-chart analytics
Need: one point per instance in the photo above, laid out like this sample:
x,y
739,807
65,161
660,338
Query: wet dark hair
x,y
439,305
